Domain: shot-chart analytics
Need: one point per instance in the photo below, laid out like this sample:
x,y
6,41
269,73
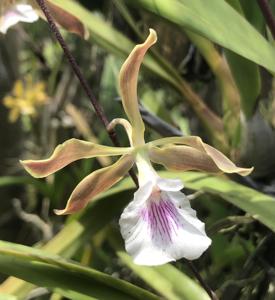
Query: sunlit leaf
x,y
55,272
165,279
211,21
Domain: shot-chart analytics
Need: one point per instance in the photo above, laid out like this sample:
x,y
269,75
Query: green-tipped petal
x,y
192,154
128,79
95,183
67,153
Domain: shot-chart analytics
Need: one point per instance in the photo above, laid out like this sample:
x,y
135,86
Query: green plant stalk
x,y
24,180
268,15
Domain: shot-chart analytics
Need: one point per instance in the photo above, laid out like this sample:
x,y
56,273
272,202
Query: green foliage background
x,y
212,57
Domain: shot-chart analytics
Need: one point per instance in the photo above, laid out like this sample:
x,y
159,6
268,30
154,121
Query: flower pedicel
x,y
158,225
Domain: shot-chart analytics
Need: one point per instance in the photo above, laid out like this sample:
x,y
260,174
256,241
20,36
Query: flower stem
x,y
267,13
97,107
207,288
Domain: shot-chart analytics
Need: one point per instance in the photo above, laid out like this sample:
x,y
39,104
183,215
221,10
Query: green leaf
x,y
212,21
248,81
23,180
7,297
101,211
253,14
81,227
110,39
245,72
259,205
165,279
54,272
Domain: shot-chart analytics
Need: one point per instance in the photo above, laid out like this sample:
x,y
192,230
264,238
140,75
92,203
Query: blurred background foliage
x,y
210,74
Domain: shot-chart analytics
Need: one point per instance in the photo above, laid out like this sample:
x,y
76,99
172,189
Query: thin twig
x,y
268,15
162,127
97,107
34,220
232,291
207,288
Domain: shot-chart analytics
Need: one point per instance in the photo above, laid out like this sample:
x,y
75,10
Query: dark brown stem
x,y
207,288
97,107
267,13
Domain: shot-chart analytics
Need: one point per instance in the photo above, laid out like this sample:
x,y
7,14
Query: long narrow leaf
x,y
245,72
54,272
101,212
219,22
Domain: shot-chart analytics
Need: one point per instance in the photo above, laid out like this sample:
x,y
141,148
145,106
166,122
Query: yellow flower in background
x,y
25,98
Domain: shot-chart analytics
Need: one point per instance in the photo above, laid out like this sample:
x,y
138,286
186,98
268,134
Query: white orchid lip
x,y
161,217
159,225
14,13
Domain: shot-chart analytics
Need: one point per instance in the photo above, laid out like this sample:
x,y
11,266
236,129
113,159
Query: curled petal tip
x,y
59,212
71,207
245,171
32,167
63,212
152,36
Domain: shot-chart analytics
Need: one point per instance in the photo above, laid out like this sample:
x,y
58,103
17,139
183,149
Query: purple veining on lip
x,y
162,218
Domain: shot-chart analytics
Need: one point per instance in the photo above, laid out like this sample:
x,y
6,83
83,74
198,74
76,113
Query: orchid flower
x,y
14,11
158,225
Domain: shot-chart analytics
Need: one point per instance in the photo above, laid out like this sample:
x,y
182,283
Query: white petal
x,y
164,228
170,184
17,13
192,240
